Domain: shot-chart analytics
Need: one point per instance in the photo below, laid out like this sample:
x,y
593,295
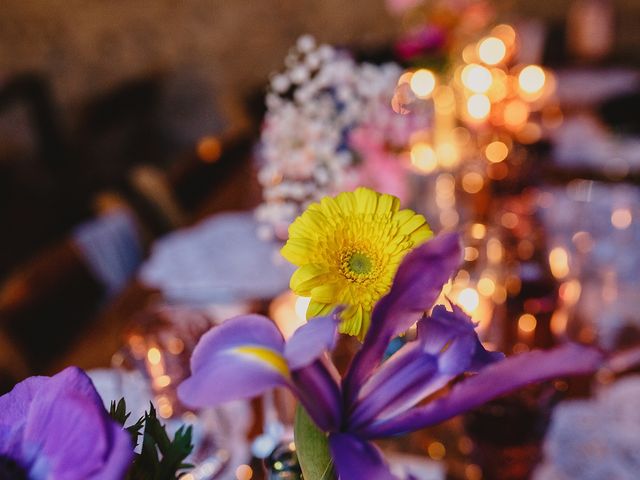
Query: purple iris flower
x,y
375,399
56,428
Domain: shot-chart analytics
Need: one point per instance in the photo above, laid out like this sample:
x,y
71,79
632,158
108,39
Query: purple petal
x,y
493,381
452,337
416,287
120,456
318,389
356,459
311,341
241,358
69,436
401,382
242,330
15,405
447,346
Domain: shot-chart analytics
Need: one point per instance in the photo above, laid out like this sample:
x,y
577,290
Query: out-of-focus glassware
x,y
159,345
593,231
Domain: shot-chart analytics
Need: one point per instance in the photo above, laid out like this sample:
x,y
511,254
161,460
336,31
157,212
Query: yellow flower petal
x,y
387,204
297,250
305,278
327,293
348,249
366,200
317,309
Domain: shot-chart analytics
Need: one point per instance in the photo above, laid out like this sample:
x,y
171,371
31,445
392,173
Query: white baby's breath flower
x,y
312,107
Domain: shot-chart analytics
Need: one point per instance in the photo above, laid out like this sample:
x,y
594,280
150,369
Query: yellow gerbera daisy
x,y
348,249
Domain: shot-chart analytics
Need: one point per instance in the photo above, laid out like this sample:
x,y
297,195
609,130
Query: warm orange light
x,y
621,218
473,472
527,323
176,346
289,312
472,182
500,294
405,78
570,292
164,407
509,220
154,356
447,154
444,99
209,149
469,54
496,151
469,299
486,286
530,133
476,78
498,90
504,32
531,79
559,262
470,254
478,106
492,50
244,472
162,381
423,158
436,450
559,321
478,231
446,188
516,113
494,250
423,82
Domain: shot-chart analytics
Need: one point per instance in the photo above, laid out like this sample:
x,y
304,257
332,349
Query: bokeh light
x,y
559,262
531,79
496,151
621,218
492,50
527,322
478,106
469,299
423,82
472,182
476,78
423,157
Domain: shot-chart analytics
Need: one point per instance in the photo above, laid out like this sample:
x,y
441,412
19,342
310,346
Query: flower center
x,y
360,264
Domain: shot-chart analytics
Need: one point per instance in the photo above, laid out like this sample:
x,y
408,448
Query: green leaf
x,y
172,452
161,458
119,413
312,447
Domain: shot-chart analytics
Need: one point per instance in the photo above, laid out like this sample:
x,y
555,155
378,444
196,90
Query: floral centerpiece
x,y
371,270
329,127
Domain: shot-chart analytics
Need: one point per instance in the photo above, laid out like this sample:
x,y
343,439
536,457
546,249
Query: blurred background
x,y
130,130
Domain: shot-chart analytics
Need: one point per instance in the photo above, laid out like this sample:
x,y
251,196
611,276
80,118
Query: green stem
x,y
312,447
